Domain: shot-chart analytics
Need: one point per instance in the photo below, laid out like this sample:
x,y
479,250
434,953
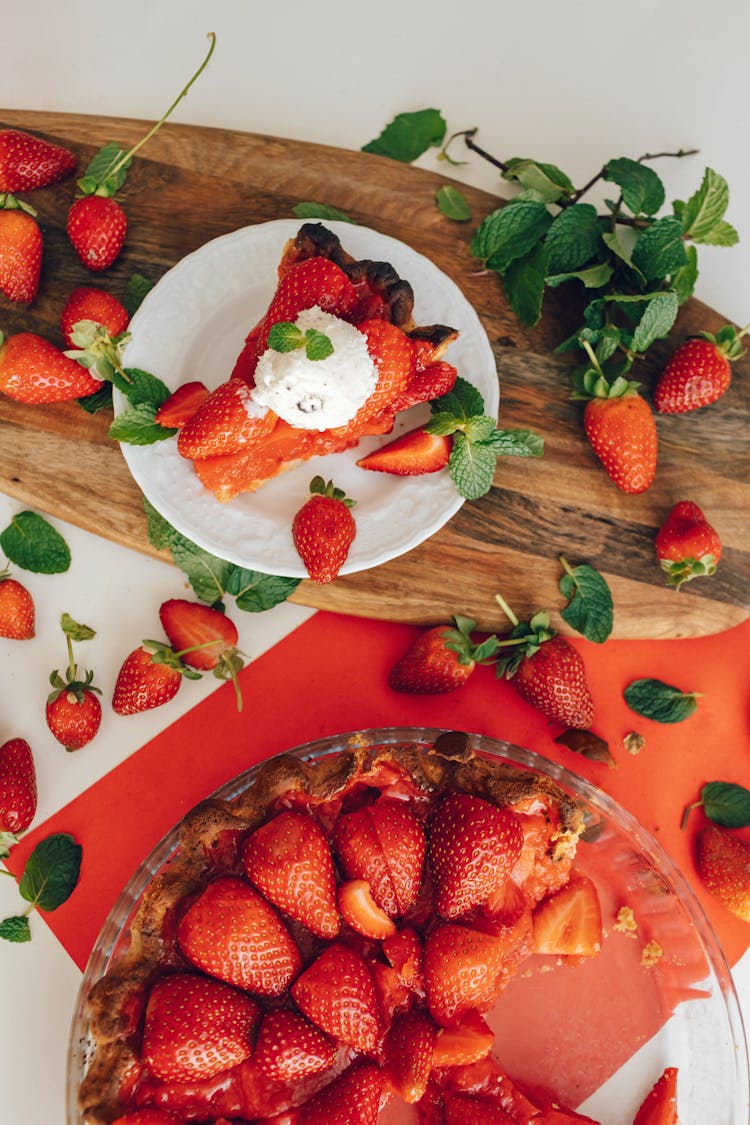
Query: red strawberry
x,y
227,421
392,354
313,281
622,433
20,251
337,993
232,933
427,383
469,1041
384,844
404,952
196,1027
73,710
473,846
180,407
28,162
440,659
204,638
471,1109
149,1117
698,372
289,860
723,862
559,1115
660,1104
407,1054
360,911
351,1099
412,454
17,790
686,544
34,371
289,1047
88,303
96,227
149,677
569,921
17,617
323,530
461,971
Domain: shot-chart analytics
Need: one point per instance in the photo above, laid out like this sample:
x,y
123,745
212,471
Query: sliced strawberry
x,y
289,1047
660,1104
723,863
569,922
384,844
227,421
289,860
404,952
474,1109
351,1099
232,933
360,911
149,1117
469,1041
429,383
337,993
559,1115
407,1052
461,970
196,1027
473,846
313,281
412,454
18,790
393,995
204,637
181,405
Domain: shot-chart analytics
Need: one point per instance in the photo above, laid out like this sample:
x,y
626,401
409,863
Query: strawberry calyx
x,y
10,202
96,349
525,638
459,640
161,653
727,341
321,487
72,682
687,569
591,381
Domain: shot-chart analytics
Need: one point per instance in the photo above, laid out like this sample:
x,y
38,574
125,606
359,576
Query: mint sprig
x,y
657,700
409,135
48,880
287,337
590,609
137,425
32,543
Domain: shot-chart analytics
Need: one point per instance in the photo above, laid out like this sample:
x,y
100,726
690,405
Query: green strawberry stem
x,y
507,611
687,811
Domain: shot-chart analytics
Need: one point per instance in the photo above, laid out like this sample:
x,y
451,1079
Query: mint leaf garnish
x,y
285,337
136,426
15,928
589,610
32,543
659,701
142,387
99,400
317,345
409,135
471,466
51,871
452,203
311,210
136,289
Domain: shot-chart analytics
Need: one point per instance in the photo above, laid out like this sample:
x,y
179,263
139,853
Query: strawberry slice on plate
x,y
569,922
182,404
660,1104
412,454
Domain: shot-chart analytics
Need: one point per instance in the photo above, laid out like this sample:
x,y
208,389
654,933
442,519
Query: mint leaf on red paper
x,y
660,701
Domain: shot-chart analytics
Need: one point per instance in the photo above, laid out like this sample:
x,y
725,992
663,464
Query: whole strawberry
x,y
149,677
698,372
723,862
440,659
73,710
622,432
97,305
323,530
34,371
20,250
686,544
17,790
28,162
17,616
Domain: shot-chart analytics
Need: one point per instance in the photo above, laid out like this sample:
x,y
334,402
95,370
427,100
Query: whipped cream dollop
x,y
317,394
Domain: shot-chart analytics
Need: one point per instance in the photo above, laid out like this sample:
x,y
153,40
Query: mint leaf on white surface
x,y
452,203
409,135
543,182
15,928
32,543
642,189
51,871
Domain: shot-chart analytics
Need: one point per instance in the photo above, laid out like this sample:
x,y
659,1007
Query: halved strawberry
x,y
468,1041
429,383
384,844
227,421
337,993
404,952
351,1099
474,1109
660,1104
461,971
393,995
407,1053
289,860
412,454
723,862
560,1115
181,405
203,636
360,911
232,933
289,1047
569,922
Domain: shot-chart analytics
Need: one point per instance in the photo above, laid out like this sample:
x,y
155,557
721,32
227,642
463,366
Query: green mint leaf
x,y
142,388
444,423
51,871
98,170
311,210
545,181
726,803
524,281
611,240
479,428
656,320
595,277
32,543
723,234
463,401
589,610
75,630
642,190
516,443
659,701
136,426
136,289
683,280
706,207
99,400
256,592
409,135
161,534
471,467
452,203
317,345
660,249
573,238
207,574
510,233
15,928
285,337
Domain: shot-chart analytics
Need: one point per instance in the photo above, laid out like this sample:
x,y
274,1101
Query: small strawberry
x,y
686,544
412,454
225,423
427,383
547,671
196,1027
20,250
289,1047
351,1099
34,371
149,677
288,859
17,791
28,162
569,921
96,305
323,530
699,371
181,405
384,844
659,1107
73,711
723,862
473,846
17,615
440,659
407,1054
360,911
204,638
462,967
337,993
231,932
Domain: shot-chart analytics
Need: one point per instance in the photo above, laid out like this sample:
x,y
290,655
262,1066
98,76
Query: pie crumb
x,y
651,953
626,923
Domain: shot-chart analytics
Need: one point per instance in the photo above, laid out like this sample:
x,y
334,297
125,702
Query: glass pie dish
x,y
597,1033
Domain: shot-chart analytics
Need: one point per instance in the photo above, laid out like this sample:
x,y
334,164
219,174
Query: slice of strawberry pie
x,y
335,358
331,940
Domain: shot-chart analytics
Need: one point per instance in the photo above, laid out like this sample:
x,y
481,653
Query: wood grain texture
x,y
192,184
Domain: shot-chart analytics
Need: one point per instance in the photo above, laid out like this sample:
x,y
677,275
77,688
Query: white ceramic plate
x,y
192,325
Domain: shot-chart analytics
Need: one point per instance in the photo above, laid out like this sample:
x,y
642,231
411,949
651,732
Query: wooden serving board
x,y
191,184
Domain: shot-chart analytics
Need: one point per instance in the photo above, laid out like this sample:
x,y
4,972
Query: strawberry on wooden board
x,y
28,162
622,433
461,970
440,659
17,790
34,371
73,711
338,994
686,544
21,250
232,933
17,612
659,1107
699,371
196,1027
181,405
148,677
224,423
383,844
407,1053
473,846
351,1099
203,638
569,921
323,530
412,454
289,1047
723,862
288,859
90,303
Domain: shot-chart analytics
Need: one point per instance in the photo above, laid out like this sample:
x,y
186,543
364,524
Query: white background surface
x,y
572,84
